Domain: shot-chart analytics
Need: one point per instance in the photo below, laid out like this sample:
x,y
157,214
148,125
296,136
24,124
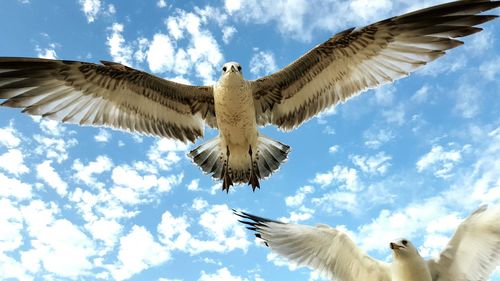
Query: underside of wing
x,y
322,248
111,95
473,253
358,59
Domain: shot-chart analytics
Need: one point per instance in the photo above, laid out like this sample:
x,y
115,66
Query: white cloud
x,y
91,8
62,248
141,53
9,137
85,173
111,9
337,201
133,188
370,10
440,161
199,204
298,199
54,148
467,100
490,68
119,50
347,178
47,53
161,3
422,94
384,95
299,215
138,251
375,140
10,268
38,215
221,226
103,136
203,52
232,5
221,231
395,115
376,164
262,63
221,274
289,16
228,33
480,43
47,173
52,127
299,19
11,225
194,185
447,64
107,231
333,149
164,153
173,232
408,222
161,54
12,161
14,188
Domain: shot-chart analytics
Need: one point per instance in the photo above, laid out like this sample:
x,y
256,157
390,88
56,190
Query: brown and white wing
x,y
359,59
322,248
110,95
473,253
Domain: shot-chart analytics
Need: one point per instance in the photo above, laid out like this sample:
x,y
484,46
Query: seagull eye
x,y
224,69
239,67
405,242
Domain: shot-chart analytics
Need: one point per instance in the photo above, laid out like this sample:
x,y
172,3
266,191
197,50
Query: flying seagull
x,y
471,255
114,95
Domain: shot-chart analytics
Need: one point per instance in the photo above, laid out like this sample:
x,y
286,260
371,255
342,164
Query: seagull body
x,y
471,255
114,95
236,120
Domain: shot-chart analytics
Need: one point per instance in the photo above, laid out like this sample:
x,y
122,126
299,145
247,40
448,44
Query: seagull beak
x,y
233,69
395,246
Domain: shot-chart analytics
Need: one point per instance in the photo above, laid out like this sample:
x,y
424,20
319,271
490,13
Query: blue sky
x,y
410,159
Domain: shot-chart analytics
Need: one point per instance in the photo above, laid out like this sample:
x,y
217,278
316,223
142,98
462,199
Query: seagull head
x,y
231,68
402,248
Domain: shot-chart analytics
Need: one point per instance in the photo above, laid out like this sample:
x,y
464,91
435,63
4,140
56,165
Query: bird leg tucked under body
x,y
254,178
227,182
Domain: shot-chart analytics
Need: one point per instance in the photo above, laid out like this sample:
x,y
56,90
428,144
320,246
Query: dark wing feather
x,y
110,95
358,59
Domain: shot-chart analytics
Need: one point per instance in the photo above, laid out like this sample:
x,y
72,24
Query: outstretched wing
x,y
358,59
323,248
473,252
110,95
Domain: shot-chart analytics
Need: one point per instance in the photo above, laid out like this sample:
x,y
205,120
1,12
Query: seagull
x,y
471,255
115,95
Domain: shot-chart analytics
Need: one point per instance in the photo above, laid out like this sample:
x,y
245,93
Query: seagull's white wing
x,y
110,95
358,59
473,252
323,248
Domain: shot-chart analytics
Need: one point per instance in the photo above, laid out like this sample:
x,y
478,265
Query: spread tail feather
x,y
212,158
209,157
270,155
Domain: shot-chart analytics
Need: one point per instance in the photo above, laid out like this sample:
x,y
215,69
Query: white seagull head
x,y
231,67
402,248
